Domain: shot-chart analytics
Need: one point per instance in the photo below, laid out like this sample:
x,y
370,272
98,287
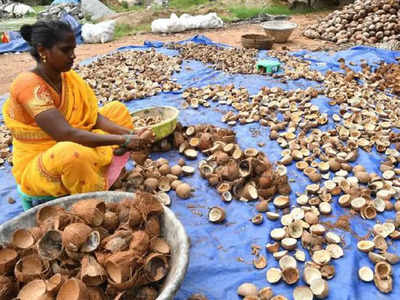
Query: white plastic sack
x,y
186,22
17,9
98,33
172,24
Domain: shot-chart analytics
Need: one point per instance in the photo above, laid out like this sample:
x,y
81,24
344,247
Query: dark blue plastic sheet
x,y
220,257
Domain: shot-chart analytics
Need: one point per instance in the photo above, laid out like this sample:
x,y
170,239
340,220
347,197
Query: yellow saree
x,y
43,167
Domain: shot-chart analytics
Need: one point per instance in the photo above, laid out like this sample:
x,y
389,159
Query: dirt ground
x,y
12,64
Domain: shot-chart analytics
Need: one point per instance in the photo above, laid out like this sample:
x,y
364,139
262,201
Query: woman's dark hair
x,y
44,33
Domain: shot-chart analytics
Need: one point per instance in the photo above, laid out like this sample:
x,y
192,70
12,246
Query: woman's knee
x,y
70,152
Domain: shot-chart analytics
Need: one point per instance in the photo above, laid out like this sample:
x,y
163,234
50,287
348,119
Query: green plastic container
x,y
270,66
169,116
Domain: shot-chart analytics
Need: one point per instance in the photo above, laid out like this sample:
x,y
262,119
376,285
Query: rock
x,y
56,11
16,10
95,9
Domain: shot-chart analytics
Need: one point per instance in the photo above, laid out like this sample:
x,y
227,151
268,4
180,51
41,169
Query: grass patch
x,y
247,12
39,8
125,30
185,4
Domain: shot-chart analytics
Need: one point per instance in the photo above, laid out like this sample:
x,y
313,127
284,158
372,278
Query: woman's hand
x,y
141,140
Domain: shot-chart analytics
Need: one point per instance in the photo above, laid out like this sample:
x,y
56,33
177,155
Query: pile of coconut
x,y
362,22
95,250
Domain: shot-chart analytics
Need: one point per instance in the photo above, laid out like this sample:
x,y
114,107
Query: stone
x,y
95,9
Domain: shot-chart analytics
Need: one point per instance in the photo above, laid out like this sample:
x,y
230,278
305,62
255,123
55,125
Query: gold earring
x,y
44,59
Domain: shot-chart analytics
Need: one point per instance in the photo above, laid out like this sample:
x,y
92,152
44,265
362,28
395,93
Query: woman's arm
x,y
55,125
109,126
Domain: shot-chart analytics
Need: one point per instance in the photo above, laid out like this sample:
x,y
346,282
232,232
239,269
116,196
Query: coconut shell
x,y
96,293
230,170
155,267
22,239
47,212
148,205
90,210
111,221
119,266
8,288
92,273
160,245
31,267
139,157
54,283
50,246
8,258
184,191
75,236
290,275
140,243
35,289
152,227
73,289
119,241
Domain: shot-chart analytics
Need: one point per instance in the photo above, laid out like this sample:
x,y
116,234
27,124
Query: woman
x,y
62,142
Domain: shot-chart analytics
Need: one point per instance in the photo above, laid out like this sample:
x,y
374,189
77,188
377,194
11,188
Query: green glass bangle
x,y
127,141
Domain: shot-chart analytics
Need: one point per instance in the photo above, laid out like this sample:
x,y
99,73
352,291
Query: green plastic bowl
x,y
169,117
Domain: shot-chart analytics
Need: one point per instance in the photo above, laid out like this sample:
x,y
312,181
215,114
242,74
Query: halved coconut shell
x,y
281,201
289,243
335,250
287,262
366,274
273,275
75,236
119,266
303,293
290,275
247,289
328,271
90,210
216,214
184,191
260,262
8,258
249,192
321,257
33,290
54,283
30,267
278,234
22,239
92,273
257,219
320,288
156,266
140,242
92,242
310,274
50,246
365,246
47,212
160,245
383,270
73,289
383,285
152,227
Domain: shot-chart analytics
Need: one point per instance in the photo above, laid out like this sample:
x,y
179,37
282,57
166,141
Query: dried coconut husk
x,y
64,219
119,266
75,236
148,205
96,293
73,289
34,290
119,241
111,221
31,267
92,273
155,267
90,210
230,171
8,288
102,257
140,243
290,275
160,245
134,217
8,258
47,212
54,283
50,246
22,239
269,192
152,227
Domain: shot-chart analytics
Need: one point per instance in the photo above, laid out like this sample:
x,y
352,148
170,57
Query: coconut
x,y
366,274
317,229
332,237
272,216
34,290
311,218
257,219
247,289
265,293
54,283
300,255
191,153
375,257
216,214
281,201
278,255
273,275
92,273
119,266
278,234
274,247
151,184
140,243
47,212
75,236
155,267
289,243
319,288
325,208
8,258
328,271
287,261
90,210
383,270
335,250
227,196
184,191
73,289
290,275
260,262
302,293
50,246
187,170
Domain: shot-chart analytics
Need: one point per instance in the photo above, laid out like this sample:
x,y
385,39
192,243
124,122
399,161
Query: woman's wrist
x,y
126,140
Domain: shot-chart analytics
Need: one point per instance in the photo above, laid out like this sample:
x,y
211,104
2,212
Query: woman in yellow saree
x,y
62,142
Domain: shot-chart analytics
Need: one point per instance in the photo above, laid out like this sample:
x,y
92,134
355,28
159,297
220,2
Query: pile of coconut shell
x,y
156,177
96,250
362,22
5,143
386,77
130,75
230,60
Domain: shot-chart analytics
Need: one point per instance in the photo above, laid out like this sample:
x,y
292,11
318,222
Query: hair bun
x,y
26,32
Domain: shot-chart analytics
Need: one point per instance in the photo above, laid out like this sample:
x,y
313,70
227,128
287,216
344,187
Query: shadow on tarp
x,y
220,255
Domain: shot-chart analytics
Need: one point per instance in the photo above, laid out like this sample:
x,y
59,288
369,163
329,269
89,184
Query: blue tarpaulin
x,y
220,258
18,44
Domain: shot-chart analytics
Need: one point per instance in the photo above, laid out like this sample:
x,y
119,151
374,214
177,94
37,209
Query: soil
x,y
13,64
